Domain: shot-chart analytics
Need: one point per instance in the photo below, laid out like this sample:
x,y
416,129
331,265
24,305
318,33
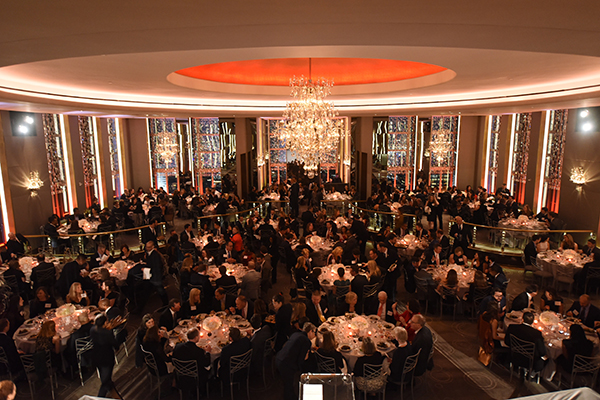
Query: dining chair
x,y
4,361
527,267
268,354
478,295
540,272
82,346
372,376
152,369
231,289
564,274
449,297
187,370
593,273
239,364
408,374
521,354
582,365
325,364
423,291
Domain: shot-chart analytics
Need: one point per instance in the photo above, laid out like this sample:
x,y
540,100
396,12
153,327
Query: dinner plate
x,y
184,322
22,332
387,325
345,348
383,345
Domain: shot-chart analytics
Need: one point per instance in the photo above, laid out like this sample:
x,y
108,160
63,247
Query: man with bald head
x,y
584,310
383,308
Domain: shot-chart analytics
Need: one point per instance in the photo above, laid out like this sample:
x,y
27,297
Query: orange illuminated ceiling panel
x,y
343,71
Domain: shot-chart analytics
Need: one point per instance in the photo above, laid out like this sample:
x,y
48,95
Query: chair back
x,y
523,260
370,290
231,289
565,272
585,365
3,357
239,363
422,285
372,371
505,286
28,363
593,273
186,368
449,293
410,364
11,281
48,275
481,293
83,345
523,349
341,291
308,286
325,364
533,261
150,362
270,346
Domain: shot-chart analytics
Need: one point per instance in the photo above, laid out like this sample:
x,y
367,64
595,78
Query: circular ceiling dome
x,y
343,71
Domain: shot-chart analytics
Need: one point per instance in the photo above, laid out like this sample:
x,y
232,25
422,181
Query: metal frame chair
x,y
539,272
153,371
527,267
325,364
340,294
592,273
564,274
308,287
4,360
372,372
11,281
408,371
423,287
237,364
523,348
269,351
28,361
82,345
446,295
231,289
478,295
583,365
188,369
116,332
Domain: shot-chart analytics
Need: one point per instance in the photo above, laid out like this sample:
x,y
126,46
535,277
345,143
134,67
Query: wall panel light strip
x,y
486,170
67,161
120,153
541,191
509,170
5,220
99,169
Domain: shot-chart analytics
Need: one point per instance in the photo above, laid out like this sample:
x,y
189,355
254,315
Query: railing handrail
x,y
528,230
70,235
381,212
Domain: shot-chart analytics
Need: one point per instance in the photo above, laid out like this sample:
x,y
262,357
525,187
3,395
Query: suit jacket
x,y
529,252
44,268
423,340
463,236
8,344
500,280
258,341
593,314
188,351
358,227
521,301
113,313
229,302
222,256
105,344
168,320
283,325
203,281
69,274
530,334
291,357
313,315
154,261
232,349
249,313
250,285
389,313
185,237
148,235
357,285
490,299
226,280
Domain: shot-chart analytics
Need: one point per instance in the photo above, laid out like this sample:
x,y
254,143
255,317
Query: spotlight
x,y
584,113
23,129
29,120
22,124
587,127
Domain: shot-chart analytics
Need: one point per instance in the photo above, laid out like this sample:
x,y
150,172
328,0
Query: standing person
x,y
105,345
294,198
290,358
154,261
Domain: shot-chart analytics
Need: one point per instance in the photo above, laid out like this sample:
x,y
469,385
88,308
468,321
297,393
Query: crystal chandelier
x,y
166,147
441,145
309,127
578,176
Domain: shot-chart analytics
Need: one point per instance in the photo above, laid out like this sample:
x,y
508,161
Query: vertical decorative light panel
x,y
116,164
493,140
555,134
92,181
277,152
332,162
401,150
164,153
519,155
207,152
55,153
443,150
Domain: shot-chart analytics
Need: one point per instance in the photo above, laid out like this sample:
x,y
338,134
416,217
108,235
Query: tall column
x,y
243,156
364,156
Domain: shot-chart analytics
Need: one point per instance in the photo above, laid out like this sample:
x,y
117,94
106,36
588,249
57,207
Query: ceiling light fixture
x,y
441,145
309,127
584,113
578,176
587,127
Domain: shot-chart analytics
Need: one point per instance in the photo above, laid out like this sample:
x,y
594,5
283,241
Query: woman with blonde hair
x,y
399,356
300,271
336,256
192,306
77,296
298,314
374,272
371,356
568,243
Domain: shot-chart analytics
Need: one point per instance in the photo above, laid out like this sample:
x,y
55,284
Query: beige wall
x,y
136,152
472,131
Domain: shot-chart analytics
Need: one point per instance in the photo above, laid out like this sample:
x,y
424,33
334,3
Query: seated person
x,y
412,308
191,307
551,301
42,303
525,331
371,356
349,305
222,301
225,280
525,299
328,348
458,257
496,297
77,296
169,318
154,342
238,346
584,310
10,349
576,344
399,356
190,351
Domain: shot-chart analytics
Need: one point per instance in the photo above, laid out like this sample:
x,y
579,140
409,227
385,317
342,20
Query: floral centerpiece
x,y
211,323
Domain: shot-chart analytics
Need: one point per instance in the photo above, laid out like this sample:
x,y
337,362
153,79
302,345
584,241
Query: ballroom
x,y
299,200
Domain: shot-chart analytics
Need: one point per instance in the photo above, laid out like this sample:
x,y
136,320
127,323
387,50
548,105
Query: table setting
x,y
551,260
350,329
337,196
270,196
465,275
89,226
213,329
329,275
118,270
410,244
27,264
236,270
554,328
65,318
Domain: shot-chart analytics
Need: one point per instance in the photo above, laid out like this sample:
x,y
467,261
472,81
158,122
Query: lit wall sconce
x,y
347,161
34,183
578,176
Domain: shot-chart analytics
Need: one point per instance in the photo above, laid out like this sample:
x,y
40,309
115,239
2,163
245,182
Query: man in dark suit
x,y
528,333
525,299
262,333
433,257
357,285
444,242
238,346
10,349
189,351
584,310
70,273
110,312
228,255
169,318
199,278
360,230
101,257
316,308
290,359
591,249
383,308
212,247
105,345
187,234
308,216
155,262
222,301
225,280
496,297
423,341
44,274
15,245
150,233
243,307
498,278
530,251
461,234
283,318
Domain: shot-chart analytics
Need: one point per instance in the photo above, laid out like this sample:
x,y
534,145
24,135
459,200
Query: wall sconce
x,y
34,183
578,177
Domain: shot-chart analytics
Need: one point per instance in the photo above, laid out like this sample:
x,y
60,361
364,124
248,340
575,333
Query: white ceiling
x,y
114,57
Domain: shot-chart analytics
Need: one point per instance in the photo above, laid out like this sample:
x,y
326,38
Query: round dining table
x,y
568,260
236,270
466,276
